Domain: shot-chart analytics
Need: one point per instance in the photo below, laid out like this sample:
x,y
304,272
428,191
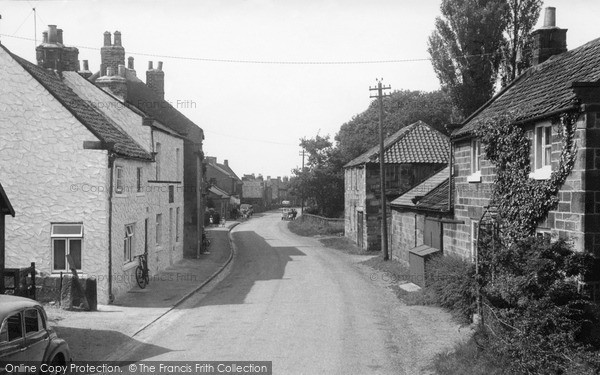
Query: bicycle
x,y
141,271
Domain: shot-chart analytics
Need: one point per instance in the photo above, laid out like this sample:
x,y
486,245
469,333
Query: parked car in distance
x,y
26,337
246,210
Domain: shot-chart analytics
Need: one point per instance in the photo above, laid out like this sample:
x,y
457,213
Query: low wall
x,y
335,225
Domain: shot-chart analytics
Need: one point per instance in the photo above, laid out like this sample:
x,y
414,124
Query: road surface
x,y
306,308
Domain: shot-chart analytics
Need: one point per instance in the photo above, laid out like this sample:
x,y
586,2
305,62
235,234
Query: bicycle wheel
x,y
142,280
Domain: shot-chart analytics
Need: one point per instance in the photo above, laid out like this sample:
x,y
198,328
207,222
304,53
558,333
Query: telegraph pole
x,y
379,96
302,189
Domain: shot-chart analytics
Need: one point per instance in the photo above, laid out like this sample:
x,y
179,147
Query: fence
x,y
20,281
333,225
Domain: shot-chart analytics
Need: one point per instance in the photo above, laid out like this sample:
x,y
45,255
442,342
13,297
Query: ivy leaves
x,y
523,202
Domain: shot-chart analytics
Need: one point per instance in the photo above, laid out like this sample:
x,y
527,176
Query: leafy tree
x,y
401,108
322,179
465,49
517,48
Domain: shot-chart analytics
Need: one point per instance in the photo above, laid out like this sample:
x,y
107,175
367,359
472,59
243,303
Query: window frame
x,y
475,161
119,180
128,243
177,213
67,238
158,229
139,175
157,157
541,166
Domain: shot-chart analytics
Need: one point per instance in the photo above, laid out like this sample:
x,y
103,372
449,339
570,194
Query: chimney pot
x,y
109,71
86,65
107,42
122,70
150,65
45,36
130,62
117,38
59,36
550,17
159,65
51,33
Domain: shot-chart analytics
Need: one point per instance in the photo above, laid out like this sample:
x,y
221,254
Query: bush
x,y
452,281
533,311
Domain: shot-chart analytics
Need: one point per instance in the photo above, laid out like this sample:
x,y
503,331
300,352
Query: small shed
x,y
5,209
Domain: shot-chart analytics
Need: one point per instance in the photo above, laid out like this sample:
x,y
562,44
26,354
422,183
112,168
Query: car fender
x,y
56,346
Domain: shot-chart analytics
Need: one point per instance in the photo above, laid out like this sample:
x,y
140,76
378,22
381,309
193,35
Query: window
x,y
171,193
33,321
392,174
170,226
542,152
544,234
12,328
475,161
138,186
119,180
158,229
128,243
177,211
157,160
66,241
177,164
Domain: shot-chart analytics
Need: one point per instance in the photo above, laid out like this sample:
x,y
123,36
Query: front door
x,y
432,235
359,229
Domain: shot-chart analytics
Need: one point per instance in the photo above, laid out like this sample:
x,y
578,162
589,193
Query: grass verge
x,y
309,228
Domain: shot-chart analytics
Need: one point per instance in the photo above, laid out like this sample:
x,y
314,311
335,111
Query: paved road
x,y
308,309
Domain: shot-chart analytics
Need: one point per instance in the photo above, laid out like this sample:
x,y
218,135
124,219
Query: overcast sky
x,y
254,114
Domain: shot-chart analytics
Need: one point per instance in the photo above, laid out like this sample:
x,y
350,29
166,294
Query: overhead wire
x,y
265,62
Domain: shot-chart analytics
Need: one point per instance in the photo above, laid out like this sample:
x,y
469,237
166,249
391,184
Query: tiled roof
x,y
544,88
422,190
118,141
145,99
415,143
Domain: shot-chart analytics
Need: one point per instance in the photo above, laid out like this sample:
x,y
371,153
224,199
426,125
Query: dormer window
x,y
475,161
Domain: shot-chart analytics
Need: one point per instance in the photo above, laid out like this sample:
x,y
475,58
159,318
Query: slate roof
x,y
544,88
145,99
415,143
117,140
422,190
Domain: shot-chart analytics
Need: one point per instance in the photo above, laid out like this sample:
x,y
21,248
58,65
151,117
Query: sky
x,y
259,75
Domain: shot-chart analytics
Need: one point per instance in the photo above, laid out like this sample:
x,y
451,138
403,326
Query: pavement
x,y
94,335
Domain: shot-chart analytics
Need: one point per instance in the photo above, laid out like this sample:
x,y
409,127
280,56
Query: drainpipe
x,y
451,167
111,164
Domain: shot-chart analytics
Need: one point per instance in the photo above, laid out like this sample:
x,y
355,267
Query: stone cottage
x,y
225,187
411,155
560,82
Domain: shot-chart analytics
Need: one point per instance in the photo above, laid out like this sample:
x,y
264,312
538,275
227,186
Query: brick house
x,y
411,155
560,81
149,99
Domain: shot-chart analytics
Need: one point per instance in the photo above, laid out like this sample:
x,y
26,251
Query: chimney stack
x,y
155,79
548,40
85,72
52,54
111,55
130,63
114,81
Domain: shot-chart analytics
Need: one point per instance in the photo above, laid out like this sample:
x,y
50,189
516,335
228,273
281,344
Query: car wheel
x,y
56,361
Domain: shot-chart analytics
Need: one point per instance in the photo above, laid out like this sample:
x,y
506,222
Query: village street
x,y
306,308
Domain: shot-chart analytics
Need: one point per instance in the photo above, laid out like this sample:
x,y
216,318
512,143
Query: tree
x,y
401,108
465,49
322,179
517,48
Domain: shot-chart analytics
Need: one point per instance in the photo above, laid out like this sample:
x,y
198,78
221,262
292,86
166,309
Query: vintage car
x,y
26,337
